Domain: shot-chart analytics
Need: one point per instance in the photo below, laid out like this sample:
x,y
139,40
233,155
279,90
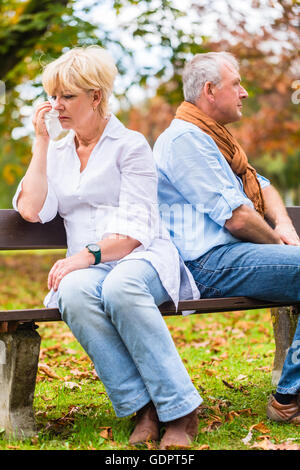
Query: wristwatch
x,y
95,250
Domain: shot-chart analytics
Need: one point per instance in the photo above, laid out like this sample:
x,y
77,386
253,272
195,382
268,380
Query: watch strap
x,y
96,253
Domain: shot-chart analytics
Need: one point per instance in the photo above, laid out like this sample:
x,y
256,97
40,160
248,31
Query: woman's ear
x,y
97,97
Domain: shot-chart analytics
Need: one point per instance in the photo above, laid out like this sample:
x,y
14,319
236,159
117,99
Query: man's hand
x,y
276,213
287,233
62,267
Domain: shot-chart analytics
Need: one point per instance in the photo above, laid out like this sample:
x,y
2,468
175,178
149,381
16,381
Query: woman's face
x,y
76,109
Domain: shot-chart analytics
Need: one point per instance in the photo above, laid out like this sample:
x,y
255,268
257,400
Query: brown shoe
x,y
180,432
284,413
147,425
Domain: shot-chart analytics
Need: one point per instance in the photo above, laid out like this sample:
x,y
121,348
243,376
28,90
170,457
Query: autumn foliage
x,y
267,49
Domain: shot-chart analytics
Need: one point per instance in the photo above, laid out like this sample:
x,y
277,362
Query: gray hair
x,y
204,68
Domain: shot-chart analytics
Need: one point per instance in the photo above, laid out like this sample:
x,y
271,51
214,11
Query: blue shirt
x,y
197,189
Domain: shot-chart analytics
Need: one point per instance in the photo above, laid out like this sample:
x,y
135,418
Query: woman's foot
x,y
147,425
180,432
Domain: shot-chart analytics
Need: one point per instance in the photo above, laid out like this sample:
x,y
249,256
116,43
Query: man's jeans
x,y
114,316
265,272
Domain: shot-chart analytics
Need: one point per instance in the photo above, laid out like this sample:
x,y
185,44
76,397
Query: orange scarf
x,y
229,147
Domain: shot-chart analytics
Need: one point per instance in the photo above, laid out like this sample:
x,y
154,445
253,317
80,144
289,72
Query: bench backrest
x,y
17,234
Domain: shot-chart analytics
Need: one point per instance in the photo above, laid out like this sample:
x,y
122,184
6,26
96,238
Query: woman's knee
x,y
120,292
73,293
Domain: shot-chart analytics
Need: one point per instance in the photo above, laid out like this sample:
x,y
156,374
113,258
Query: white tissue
x,y
54,128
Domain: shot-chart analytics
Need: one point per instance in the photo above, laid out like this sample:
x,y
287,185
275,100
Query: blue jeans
x,y
265,272
114,316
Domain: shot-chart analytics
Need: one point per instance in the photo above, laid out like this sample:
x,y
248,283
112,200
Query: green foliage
x,y
31,33
34,32
283,172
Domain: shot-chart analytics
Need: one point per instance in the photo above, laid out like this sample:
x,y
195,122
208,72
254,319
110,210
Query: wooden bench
x,y
20,342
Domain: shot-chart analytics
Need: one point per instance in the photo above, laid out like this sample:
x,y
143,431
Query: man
x,y
217,206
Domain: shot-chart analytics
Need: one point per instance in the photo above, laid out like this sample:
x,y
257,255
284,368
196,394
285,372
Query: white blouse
x,y
115,193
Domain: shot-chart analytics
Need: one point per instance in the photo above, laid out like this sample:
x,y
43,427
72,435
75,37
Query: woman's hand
x,y
38,119
81,260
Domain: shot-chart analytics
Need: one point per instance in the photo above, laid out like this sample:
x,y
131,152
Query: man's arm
x,y
211,182
247,225
276,213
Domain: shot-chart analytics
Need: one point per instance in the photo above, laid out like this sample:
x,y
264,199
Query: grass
x,y
228,356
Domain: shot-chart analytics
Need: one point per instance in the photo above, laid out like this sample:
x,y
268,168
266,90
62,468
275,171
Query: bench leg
x,y
284,322
19,355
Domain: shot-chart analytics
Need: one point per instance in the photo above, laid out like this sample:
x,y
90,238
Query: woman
x,y
101,179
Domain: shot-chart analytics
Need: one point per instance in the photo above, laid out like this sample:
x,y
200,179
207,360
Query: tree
x,y
33,32
270,66
22,27
270,69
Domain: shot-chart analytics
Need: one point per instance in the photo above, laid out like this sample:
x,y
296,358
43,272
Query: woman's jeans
x,y
114,316
265,272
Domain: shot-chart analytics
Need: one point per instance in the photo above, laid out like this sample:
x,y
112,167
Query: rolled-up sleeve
x,y
203,177
264,182
50,206
137,214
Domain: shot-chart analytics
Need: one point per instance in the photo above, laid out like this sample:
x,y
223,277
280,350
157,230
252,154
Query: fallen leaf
x,y
35,440
71,385
241,377
106,432
150,445
43,397
287,446
227,384
266,444
247,411
48,371
210,372
178,447
203,447
261,427
248,438
231,415
212,424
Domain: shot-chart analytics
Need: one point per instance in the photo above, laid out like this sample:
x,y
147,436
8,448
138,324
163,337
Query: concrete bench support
x,y
284,320
19,355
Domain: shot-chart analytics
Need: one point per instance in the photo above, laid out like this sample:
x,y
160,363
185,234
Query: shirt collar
x,y
114,128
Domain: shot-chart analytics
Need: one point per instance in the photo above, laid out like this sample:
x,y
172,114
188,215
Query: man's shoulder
x,y
179,129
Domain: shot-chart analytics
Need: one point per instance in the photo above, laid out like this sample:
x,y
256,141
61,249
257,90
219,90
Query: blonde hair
x,y
82,69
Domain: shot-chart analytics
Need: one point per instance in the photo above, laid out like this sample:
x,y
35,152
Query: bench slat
x,y
17,234
200,306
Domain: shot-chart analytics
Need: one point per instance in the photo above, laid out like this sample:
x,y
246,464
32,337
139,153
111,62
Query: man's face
x,y
228,95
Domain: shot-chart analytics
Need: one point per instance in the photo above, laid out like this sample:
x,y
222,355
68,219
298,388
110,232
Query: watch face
x,y
94,247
